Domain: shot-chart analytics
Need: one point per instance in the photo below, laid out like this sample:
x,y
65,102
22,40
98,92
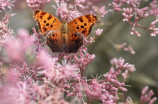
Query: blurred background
x,y
115,31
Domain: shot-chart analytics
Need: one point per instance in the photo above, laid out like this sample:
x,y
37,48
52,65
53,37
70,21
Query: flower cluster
x,y
133,9
105,89
119,63
146,97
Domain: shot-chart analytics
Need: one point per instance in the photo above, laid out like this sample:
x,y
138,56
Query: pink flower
x,y
102,11
37,4
98,32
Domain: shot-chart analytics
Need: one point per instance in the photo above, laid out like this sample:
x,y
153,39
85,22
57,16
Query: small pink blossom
x,y
98,32
102,11
124,47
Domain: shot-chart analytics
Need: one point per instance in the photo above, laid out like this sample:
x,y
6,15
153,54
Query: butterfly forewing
x,y
83,24
46,21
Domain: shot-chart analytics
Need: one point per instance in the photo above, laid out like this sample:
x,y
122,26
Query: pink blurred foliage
x,y
49,76
16,47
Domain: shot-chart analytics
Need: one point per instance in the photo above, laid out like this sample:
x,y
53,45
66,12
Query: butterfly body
x,y
64,27
64,37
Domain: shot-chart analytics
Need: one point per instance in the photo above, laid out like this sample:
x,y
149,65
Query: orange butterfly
x,y
64,37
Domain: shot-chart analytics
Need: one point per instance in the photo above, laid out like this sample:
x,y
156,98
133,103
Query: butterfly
x,y
64,37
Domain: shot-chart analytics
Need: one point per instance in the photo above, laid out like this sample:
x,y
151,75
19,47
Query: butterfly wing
x,y
46,21
54,40
83,24
73,42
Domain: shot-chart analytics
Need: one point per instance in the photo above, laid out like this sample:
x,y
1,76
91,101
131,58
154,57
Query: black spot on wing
x,y
82,26
47,24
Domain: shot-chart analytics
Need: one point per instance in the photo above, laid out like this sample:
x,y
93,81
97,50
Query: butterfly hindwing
x,y
75,41
46,21
54,40
83,24
71,42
